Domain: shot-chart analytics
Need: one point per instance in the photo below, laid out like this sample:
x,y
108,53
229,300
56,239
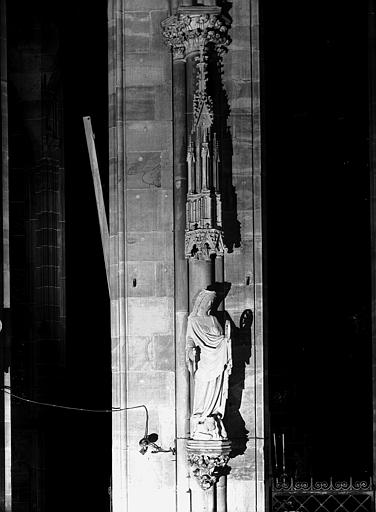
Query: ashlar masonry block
x,y
140,103
149,135
151,246
237,64
139,353
137,31
148,103
149,169
147,69
152,387
239,96
163,355
134,5
149,210
141,278
148,316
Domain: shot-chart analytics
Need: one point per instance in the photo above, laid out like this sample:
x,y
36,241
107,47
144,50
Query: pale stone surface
x,y
141,278
140,103
162,349
241,295
154,387
240,16
144,169
135,5
242,159
240,96
139,352
157,40
148,135
242,123
154,245
164,279
148,278
238,64
137,31
149,315
157,470
139,205
147,69
245,217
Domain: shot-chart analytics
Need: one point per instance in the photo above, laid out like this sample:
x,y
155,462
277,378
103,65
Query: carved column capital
x,y
194,28
208,461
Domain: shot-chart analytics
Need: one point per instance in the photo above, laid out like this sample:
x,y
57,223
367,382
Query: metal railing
x,y
289,495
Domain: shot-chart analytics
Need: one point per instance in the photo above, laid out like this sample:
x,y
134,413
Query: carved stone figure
x,y
209,360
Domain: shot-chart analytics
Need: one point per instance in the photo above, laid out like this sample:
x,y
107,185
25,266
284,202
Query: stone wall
x,y
243,262
148,222
149,206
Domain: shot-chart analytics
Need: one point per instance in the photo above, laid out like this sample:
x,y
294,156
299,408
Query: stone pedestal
x,y
208,464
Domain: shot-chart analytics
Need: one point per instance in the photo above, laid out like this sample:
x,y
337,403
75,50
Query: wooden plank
x,y
103,225
5,399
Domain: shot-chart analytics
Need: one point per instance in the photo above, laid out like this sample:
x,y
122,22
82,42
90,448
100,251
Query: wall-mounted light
x,y
150,440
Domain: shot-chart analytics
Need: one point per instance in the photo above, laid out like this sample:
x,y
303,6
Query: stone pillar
x,y
181,282
189,33
222,494
200,277
117,222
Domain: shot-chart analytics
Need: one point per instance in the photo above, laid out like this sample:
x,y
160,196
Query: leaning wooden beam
x,y
5,399
98,196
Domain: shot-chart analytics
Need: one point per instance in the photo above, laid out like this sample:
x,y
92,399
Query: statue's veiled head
x,y
203,303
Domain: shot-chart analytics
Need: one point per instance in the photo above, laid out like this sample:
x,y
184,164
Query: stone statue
x,y
209,360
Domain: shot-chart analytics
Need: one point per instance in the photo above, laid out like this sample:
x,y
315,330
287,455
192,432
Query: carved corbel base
x,y
208,460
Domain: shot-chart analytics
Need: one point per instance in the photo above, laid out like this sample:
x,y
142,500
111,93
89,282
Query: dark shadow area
x,y
241,345
85,71
221,291
61,354
221,107
241,354
318,237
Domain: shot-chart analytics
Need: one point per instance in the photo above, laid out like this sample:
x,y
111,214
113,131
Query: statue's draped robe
x,y
211,376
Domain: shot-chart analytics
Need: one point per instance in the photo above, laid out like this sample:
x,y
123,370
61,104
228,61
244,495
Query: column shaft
x,y
181,286
222,494
200,277
210,505
191,86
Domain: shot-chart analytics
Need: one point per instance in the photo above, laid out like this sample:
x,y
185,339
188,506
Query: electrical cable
x,y
79,409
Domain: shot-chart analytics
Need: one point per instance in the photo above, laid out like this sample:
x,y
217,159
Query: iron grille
x,y
312,496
